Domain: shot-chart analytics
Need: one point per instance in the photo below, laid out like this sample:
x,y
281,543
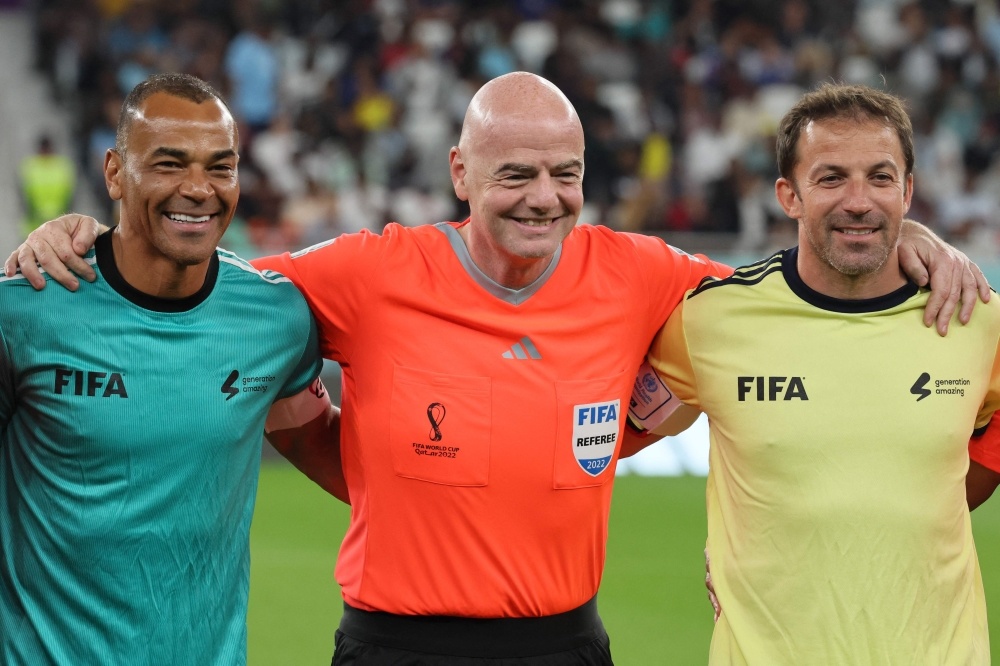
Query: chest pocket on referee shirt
x,y
439,427
589,423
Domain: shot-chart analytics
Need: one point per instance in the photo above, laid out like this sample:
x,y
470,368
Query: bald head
x,y
518,98
519,164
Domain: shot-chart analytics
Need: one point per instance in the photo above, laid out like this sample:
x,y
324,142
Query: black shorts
x,y
574,638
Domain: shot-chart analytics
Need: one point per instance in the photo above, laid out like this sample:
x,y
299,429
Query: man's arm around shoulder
x,y
305,428
980,482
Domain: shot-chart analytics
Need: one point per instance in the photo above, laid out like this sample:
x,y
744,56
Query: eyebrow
x,y
182,155
517,167
884,164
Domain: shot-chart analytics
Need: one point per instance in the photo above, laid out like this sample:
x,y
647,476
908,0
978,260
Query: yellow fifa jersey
x,y
837,521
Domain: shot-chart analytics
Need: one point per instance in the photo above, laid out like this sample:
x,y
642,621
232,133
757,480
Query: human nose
x,y
542,194
196,184
856,198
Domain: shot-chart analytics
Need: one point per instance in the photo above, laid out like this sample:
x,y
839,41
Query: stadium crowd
x,y
346,107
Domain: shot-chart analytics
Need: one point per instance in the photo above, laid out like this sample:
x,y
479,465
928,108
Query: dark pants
x,y
574,638
351,652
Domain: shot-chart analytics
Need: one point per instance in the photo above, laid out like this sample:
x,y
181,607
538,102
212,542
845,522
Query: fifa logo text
x,y
89,383
771,389
596,414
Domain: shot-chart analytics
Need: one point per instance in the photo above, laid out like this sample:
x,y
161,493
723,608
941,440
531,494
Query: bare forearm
x,y
314,449
980,483
633,442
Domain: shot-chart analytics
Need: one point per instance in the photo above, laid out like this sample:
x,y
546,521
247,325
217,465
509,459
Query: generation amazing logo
x,y
941,386
258,384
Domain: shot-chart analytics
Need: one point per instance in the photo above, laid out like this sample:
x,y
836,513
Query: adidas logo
x,y
524,349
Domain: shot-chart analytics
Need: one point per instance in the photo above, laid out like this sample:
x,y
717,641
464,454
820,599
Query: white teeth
x,y
178,217
857,232
535,223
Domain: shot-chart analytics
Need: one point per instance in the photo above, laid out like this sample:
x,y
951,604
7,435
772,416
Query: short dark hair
x,y
184,86
841,101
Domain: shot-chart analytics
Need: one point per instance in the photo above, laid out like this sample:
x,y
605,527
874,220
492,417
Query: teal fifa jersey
x,y
129,457
838,527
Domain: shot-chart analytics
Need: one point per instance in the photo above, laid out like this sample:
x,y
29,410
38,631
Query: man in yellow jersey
x,y
837,518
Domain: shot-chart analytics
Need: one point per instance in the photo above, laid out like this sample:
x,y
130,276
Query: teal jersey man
x,y
129,459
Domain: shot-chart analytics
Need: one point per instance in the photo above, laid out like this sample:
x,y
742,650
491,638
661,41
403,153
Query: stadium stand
x,y
26,111
351,106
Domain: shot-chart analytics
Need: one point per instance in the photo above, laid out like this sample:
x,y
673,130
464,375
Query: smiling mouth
x,y
857,232
181,218
534,223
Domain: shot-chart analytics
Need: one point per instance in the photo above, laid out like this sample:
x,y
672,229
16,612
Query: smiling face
x,y
177,183
849,192
520,167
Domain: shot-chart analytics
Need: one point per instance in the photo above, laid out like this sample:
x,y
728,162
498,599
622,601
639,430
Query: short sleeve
x,y
670,357
666,273
309,366
336,278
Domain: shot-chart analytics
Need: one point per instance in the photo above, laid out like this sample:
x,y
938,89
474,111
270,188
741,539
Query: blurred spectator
x,y
253,71
362,204
308,65
312,216
276,152
135,41
48,183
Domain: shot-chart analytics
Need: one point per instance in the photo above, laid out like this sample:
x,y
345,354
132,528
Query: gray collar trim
x,y
512,296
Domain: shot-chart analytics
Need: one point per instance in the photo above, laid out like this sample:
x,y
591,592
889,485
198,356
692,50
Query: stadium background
x,y
347,109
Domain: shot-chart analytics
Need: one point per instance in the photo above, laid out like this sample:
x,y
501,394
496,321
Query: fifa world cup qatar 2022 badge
x,y
595,433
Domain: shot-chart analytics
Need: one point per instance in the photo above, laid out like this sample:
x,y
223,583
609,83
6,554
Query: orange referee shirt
x,y
480,425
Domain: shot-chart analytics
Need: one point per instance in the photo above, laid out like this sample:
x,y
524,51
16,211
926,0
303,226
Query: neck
x,y
512,273
827,280
154,274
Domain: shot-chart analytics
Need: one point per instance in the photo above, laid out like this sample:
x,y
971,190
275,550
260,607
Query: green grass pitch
x,y
652,598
